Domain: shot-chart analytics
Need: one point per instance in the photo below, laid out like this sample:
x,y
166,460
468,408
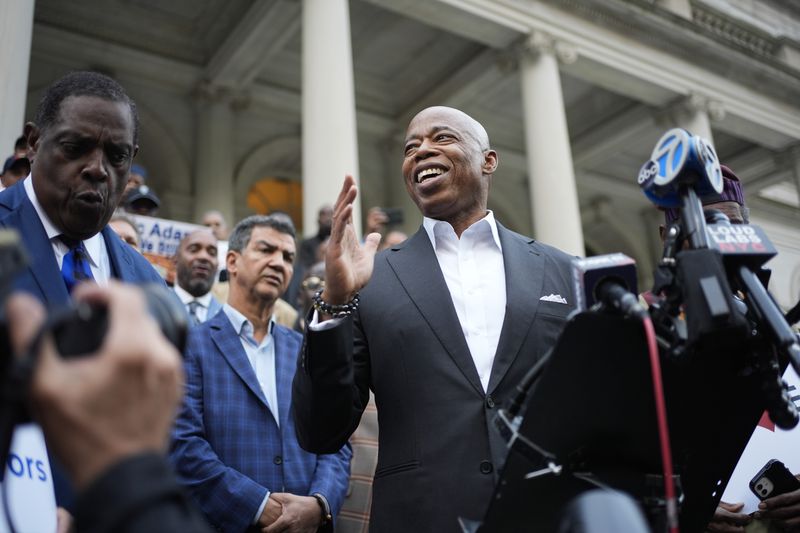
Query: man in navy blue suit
x,y
81,146
234,444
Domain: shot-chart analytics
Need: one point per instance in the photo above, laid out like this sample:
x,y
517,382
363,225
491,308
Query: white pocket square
x,y
554,298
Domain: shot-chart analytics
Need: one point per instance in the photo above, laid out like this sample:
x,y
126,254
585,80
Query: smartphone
x,y
394,215
773,479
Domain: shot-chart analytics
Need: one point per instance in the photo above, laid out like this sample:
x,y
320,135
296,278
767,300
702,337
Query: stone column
x,y
554,197
330,146
794,154
682,8
694,113
16,29
213,172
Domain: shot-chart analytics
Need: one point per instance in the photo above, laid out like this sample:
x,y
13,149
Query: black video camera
x,y
76,330
80,329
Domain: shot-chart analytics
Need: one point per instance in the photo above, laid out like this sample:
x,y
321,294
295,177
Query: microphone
x,y
738,243
744,248
680,158
609,280
682,168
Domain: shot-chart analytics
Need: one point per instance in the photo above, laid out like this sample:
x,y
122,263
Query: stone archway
x,y
280,158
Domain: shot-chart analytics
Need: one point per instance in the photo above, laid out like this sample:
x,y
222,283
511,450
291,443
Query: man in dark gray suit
x,y
445,326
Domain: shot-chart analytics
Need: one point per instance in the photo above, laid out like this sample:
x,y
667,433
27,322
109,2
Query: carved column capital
x,y
696,102
206,92
716,110
539,42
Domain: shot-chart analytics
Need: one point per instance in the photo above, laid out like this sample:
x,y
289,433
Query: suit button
x,y
486,467
490,402
278,460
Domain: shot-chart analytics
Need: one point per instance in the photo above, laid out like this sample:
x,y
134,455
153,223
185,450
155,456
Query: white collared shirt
x,y
261,356
474,271
95,245
204,301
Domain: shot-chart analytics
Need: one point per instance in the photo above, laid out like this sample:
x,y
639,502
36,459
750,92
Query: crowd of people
x,y
268,420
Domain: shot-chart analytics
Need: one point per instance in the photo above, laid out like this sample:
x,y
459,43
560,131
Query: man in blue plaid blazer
x,y
234,444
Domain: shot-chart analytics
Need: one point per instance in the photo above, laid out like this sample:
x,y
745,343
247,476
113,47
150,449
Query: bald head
x,y
448,166
451,116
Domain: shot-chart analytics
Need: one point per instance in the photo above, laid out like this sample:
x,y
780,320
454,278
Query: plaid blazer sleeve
x,y
332,477
228,498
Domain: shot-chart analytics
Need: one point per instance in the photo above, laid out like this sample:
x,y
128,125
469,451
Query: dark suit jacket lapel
x,y
118,257
524,267
230,346
417,268
44,267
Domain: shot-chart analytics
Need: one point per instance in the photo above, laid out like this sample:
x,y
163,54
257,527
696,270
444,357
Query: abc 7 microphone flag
x,y
680,158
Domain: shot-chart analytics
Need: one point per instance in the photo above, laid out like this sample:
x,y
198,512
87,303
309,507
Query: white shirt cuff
x,y
261,508
316,325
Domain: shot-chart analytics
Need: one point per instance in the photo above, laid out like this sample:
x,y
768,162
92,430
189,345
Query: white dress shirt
x,y
204,302
95,245
474,271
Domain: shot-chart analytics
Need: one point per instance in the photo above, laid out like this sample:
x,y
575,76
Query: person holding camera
x,y
106,416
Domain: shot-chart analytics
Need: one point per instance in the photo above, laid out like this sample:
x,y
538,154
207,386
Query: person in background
x,y
195,271
126,229
216,221
392,239
20,150
16,168
308,253
313,281
136,179
141,200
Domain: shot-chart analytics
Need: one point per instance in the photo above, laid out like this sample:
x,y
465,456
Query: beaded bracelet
x,y
336,311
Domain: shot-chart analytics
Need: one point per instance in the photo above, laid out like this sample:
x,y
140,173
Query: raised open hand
x,y
348,263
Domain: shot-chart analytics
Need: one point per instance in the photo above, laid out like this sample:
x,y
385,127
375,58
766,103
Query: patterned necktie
x,y
193,317
75,266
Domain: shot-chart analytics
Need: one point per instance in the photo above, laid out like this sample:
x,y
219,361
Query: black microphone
x,y
738,243
744,248
609,280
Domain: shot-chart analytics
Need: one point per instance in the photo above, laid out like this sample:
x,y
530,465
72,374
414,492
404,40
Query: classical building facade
x,y
240,94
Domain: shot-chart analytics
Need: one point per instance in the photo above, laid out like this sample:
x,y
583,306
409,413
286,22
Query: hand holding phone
x,y
773,479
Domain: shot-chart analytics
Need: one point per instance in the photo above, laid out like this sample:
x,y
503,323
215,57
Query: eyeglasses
x,y
313,283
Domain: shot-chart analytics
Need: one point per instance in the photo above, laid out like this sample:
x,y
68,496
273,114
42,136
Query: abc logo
x,y
648,172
